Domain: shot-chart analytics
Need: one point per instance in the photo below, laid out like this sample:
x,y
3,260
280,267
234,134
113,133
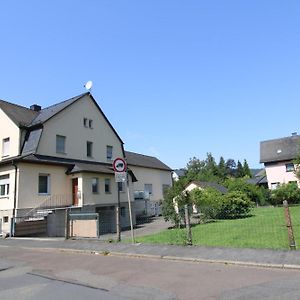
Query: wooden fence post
x,y
289,225
188,225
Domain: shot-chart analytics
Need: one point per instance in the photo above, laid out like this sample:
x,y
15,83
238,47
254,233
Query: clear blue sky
x,y
176,79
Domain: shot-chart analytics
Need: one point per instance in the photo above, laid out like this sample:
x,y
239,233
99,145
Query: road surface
x,y
27,273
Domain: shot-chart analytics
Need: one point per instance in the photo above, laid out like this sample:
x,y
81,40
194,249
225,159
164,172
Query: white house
x,y
154,178
278,157
59,156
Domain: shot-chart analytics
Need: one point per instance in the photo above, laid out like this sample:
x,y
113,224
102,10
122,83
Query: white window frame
x,y
148,188
48,184
89,149
107,183
4,186
95,184
5,147
274,185
60,148
109,152
85,122
290,167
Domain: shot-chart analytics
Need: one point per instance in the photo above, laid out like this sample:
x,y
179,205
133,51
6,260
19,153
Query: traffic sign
x,y
120,176
119,165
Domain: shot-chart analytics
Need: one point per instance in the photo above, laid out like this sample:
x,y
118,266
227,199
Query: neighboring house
x,y
278,155
59,156
154,178
259,178
201,185
178,173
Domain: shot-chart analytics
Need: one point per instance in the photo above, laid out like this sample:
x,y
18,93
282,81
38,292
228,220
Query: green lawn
x,y
265,229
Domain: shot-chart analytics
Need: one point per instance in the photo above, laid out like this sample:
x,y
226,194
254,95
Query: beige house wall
x,y
8,129
156,177
60,184
101,197
69,123
61,187
277,173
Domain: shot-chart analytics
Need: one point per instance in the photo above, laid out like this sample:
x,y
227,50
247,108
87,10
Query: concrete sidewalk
x,y
247,257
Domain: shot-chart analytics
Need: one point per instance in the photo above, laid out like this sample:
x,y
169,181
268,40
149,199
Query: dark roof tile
x,y
281,149
140,160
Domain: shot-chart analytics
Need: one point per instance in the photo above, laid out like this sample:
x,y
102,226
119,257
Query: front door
x,y
75,191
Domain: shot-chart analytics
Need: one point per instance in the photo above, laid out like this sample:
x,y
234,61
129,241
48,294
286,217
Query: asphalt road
x,y
27,273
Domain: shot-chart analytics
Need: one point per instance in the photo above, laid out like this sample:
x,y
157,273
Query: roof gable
x,y
140,160
286,148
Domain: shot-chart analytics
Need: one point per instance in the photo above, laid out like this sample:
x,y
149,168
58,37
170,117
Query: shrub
x,y
289,192
235,205
256,194
208,202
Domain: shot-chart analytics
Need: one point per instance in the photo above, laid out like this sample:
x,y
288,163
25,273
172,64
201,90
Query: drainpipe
x,y
12,232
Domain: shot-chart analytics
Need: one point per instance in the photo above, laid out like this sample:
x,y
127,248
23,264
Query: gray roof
x,y
281,149
180,172
214,185
140,160
20,115
258,180
48,112
92,168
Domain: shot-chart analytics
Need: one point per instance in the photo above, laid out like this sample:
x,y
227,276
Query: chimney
x,y
35,107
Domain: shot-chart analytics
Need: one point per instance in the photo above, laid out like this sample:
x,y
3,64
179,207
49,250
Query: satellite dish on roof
x,y
88,85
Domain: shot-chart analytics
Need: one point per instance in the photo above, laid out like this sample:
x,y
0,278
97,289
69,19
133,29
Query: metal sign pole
x,y
130,213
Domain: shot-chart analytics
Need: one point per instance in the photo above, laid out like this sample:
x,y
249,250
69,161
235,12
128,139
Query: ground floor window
x,y
4,185
274,185
44,184
107,185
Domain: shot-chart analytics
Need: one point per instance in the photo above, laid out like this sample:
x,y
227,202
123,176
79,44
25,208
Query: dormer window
x,y
5,147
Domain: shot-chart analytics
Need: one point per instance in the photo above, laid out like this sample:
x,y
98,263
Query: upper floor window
x,y
44,184
148,188
95,185
89,149
91,124
5,147
60,144
4,185
107,185
109,152
290,167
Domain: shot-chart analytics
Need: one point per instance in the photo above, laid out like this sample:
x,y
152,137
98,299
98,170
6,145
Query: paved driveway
x,y
148,226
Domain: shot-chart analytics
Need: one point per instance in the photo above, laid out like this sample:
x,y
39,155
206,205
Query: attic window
x,y
279,151
85,122
5,147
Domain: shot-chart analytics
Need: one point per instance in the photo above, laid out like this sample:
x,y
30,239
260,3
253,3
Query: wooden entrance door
x,y
75,191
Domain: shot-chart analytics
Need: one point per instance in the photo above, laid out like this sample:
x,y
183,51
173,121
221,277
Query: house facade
x,y
154,178
57,157
277,156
